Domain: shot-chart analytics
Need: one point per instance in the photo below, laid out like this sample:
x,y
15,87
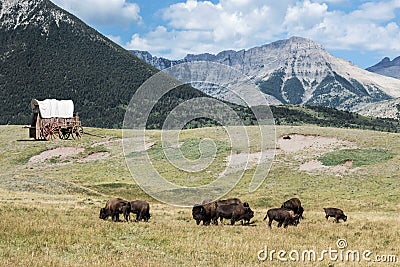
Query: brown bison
x,y
282,216
234,212
336,213
198,213
295,205
114,207
230,201
142,210
205,213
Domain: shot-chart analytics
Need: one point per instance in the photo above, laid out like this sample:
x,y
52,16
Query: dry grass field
x,y
51,194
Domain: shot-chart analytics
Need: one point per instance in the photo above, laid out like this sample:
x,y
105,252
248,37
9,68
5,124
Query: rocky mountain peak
x,y
387,67
296,43
300,71
396,61
32,13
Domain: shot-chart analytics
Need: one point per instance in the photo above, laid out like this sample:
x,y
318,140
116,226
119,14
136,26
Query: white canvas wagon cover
x,y
53,108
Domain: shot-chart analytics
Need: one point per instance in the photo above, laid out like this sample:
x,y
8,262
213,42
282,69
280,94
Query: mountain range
x,y
300,71
46,52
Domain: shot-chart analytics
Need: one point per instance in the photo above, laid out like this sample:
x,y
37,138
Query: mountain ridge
x,y
387,67
300,71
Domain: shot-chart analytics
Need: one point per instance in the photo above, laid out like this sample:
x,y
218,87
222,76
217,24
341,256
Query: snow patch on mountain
x,y
22,13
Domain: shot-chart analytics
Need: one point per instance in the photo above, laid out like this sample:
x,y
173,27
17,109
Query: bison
x,y
142,210
205,213
282,216
234,212
114,207
294,204
230,201
336,213
198,213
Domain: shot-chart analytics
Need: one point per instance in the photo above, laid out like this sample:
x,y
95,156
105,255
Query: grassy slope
x,y
50,210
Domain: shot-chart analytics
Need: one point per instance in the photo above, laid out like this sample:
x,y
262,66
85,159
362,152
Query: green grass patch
x,y
359,157
190,149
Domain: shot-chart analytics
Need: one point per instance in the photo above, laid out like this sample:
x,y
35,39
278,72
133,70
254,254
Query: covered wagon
x,y
54,119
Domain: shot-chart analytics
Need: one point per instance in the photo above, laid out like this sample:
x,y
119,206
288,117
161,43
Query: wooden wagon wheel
x,y
77,132
45,131
50,131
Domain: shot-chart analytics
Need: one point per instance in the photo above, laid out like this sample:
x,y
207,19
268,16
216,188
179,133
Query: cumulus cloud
x,y
376,11
203,26
103,12
368,28
192,26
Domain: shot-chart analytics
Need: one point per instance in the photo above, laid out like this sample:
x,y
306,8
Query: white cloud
x,y
194,26
368,28
202,26
305,16
376,11
115,39
103,12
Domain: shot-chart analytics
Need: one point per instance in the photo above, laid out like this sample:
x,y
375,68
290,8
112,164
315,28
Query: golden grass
x,y
49,211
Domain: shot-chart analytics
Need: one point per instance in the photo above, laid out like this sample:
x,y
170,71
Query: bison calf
x,y
282,216
336,213
114,207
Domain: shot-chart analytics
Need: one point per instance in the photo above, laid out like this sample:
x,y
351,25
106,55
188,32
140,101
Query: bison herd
x,y
116,206
209,212
232,209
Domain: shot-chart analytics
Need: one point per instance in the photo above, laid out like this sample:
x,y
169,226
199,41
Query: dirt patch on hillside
x,y
60,152
317,166
307,148
295,142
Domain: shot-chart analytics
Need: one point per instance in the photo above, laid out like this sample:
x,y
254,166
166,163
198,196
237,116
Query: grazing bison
x,y
295,205
142,210
198,213
114,207
282,216
234,212
205,213
336,213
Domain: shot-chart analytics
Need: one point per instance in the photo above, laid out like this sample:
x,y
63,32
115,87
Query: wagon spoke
x,y
77,132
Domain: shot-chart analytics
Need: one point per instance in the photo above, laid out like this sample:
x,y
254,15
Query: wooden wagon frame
x,y
53,125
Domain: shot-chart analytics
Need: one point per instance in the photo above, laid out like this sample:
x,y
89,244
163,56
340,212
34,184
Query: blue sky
x,y
360,31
